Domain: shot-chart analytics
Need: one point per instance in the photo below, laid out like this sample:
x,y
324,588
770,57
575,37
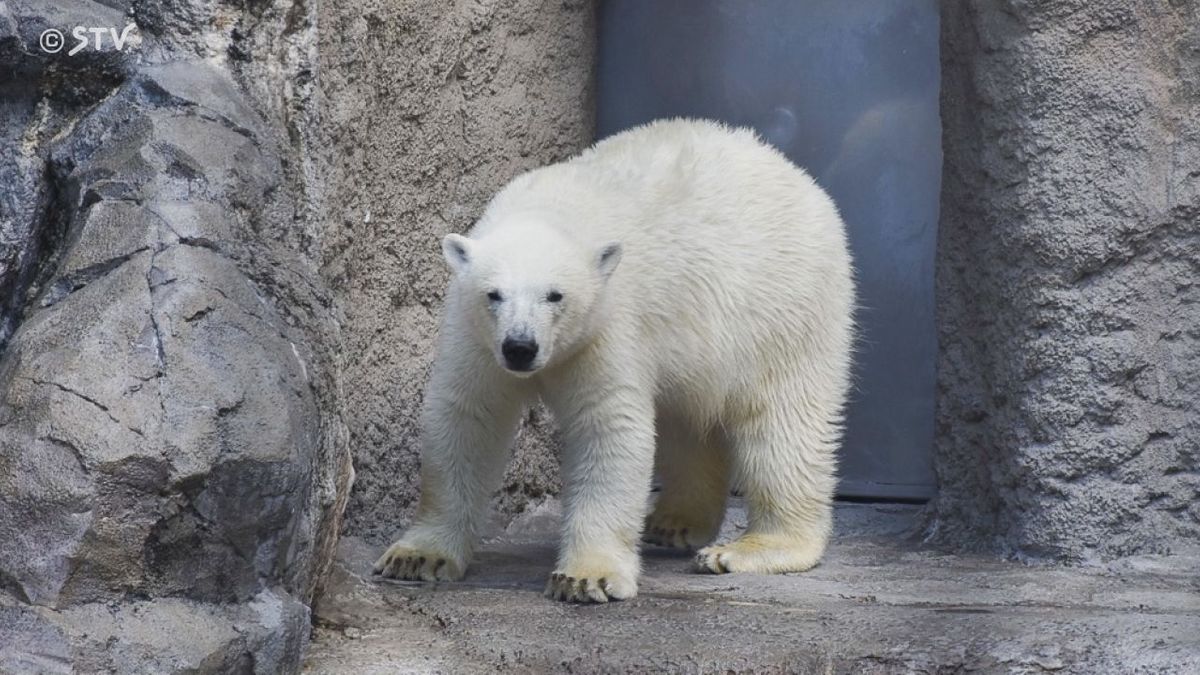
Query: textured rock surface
x,y
172,457
166,635
1068,295
39,96
877,604
430,107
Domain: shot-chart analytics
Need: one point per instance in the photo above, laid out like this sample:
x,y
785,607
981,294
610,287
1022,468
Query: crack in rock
x,y
65,286
101,406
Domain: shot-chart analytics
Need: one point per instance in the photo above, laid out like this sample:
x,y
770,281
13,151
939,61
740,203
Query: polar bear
x,y
680,296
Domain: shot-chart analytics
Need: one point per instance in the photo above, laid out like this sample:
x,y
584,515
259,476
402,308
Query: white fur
x,y
707,304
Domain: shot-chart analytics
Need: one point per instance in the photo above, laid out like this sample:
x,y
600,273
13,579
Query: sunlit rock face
x,y
173,464
427,109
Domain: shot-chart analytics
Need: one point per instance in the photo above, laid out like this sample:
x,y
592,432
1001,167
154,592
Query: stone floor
x,y
879,603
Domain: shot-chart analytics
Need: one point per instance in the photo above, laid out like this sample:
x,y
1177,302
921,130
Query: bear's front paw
x,y
402,561
591,584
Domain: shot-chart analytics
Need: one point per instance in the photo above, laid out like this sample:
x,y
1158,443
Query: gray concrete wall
x,y
1068,423
429,107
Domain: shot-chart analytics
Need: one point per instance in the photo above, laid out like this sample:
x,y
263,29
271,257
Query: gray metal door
x,y
849,90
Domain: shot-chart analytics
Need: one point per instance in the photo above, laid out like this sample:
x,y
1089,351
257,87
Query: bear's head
x,y
529,293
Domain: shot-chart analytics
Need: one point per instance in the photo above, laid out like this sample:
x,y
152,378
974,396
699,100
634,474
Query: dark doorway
x,y
849,90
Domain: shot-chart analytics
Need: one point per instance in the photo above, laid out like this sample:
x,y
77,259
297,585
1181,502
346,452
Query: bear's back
x,y
732,253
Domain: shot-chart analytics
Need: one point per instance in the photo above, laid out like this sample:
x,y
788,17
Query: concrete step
x,y
881,602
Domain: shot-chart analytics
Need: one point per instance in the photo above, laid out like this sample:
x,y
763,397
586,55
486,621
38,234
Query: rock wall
x,y
1068,421
173,463
429,108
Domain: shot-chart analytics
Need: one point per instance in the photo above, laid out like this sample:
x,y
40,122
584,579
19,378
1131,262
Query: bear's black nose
x,y
519,352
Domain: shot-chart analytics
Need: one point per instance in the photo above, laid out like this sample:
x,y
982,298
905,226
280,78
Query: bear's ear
x,y
457,250
608,259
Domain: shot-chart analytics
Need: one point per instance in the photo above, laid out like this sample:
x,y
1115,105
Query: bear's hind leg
x,y
694,470
785,463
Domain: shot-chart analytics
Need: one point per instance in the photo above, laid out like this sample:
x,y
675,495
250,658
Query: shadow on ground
x,y
879,603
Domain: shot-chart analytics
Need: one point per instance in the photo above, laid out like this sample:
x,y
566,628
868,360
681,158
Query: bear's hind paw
x,y
404,562
670,531
761,554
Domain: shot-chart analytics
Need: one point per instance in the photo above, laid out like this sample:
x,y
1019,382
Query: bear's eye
x,y
494,296
554,296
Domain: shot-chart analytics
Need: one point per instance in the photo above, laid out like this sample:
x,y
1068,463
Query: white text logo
x,y
53,40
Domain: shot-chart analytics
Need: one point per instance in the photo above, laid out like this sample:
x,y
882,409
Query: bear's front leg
x,y
470,416
607,465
